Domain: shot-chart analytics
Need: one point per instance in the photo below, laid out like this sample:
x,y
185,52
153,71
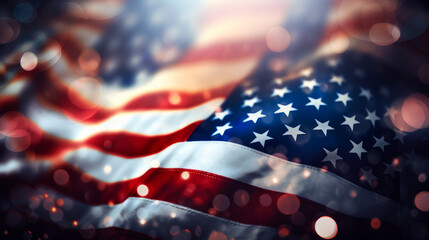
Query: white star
x,y
221,115
400,136
337,79
413,158
280,92
390,169
315,102
293,131
249,92
254,116
365,93
286,109
332,157
369,177
358,149
221,129
379,142
388,111
371,117
344,98
250,102
310,84
324,127
350,121
261,138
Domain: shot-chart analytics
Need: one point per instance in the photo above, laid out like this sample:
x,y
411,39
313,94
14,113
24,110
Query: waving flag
x,y
210,120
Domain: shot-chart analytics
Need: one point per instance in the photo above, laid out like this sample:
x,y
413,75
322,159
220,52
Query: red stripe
x,y
357,23
199,191
226,51
124,144
8,103
254,8
51,89
57,95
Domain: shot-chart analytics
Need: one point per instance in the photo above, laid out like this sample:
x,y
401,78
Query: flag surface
x,y
213,120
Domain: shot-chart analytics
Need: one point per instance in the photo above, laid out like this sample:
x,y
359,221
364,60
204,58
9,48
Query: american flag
x,y
214,119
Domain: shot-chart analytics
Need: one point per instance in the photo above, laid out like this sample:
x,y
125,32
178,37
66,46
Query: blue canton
x,y
335,118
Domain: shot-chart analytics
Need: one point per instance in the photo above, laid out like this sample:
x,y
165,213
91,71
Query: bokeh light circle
x,y
142,190
61,177
12,121
215,235
221,202
396,119
375,223
18,140
414,112
423,73
9,30
422,201
89,60
278,39
283,231
265,200
85,92
6,32
28,61
24,12
384,34
356,18
185,175
288,204
326,227
241,198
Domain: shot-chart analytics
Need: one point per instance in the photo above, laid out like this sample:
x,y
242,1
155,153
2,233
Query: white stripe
x,y
249,166
195,77
157,214
14,88
240,28
190,78
23,169
140,122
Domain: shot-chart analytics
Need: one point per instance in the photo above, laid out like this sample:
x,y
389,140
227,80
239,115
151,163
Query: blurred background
x,y
89,59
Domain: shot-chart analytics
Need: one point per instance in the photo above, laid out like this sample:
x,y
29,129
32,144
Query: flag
x,y
211,120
